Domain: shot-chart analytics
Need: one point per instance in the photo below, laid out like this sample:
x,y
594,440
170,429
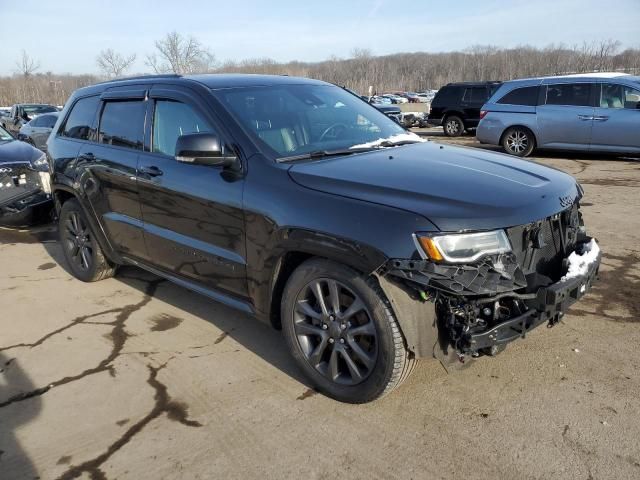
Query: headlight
x,y
463,247
41,163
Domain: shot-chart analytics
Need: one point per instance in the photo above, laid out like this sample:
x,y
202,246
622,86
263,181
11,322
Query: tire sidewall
x,y
456,119
373,386
84,275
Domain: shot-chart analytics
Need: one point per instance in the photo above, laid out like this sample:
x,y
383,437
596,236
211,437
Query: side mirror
x,y
204,149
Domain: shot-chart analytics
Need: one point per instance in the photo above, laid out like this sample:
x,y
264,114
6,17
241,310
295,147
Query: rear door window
x,y
521,96
572,94
122,124
475,95
80,122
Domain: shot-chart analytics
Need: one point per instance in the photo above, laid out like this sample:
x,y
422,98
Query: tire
x,y
453,126
81,250
518,141
368,335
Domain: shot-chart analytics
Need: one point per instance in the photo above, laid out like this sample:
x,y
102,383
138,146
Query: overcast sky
x,y
65,35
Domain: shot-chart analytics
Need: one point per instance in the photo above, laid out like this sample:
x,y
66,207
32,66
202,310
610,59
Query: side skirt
x,y
212,294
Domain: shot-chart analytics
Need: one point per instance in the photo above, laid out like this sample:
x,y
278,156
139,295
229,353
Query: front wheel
x,y
343,333
518,141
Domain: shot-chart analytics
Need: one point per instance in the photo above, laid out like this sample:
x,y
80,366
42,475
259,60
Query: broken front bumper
x,y
549,304
25,195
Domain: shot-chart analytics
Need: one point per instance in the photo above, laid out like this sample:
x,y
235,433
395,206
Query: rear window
x,y
521,96
80,122
573,94
122,124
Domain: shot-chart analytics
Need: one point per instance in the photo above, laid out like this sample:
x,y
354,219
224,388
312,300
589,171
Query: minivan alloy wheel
x,y
335,331
517,142
77,241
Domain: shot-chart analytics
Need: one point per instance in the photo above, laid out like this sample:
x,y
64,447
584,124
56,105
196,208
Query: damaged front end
x,y
481,305
25,193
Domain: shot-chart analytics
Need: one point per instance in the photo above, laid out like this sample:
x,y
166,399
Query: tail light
x,y
483,113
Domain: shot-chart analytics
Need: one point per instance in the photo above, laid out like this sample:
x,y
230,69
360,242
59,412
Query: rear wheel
x,y
80,246
453,126
342,332
518,141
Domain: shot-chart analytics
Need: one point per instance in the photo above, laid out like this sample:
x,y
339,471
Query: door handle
x,y
585,117
601,118
151,171
87,157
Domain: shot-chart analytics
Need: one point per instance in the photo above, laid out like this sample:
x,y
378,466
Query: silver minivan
x,y
597,112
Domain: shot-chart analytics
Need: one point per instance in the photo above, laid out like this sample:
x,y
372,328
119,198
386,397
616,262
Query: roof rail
x,y
141,77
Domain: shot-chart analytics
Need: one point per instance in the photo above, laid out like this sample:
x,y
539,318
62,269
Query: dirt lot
x,y
136,378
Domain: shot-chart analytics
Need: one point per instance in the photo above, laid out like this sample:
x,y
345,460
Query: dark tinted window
x,y
80,122
447,95
475,95
122,124
172,119
576,94
521,96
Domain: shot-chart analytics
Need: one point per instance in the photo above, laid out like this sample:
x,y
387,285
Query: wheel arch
x,y
302,245
61,195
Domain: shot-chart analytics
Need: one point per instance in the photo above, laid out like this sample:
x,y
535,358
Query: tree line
x,y
176,53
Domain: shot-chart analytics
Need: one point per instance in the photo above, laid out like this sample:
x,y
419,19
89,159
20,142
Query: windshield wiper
x,y
323,154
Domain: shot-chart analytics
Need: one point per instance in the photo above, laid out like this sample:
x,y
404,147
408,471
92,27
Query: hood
x,y
16,151
455,188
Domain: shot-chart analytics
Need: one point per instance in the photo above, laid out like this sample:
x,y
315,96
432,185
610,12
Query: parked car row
x,y
22,113
588,112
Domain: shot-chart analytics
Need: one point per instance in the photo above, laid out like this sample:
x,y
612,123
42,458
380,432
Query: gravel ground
x,y
136,378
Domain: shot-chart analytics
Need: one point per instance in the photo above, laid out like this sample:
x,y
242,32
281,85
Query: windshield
x,y
38,109
4,135
300,119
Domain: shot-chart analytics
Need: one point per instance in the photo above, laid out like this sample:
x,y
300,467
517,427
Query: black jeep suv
x,y
298,202
457,106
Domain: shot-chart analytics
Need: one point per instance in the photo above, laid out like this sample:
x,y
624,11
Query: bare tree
x,y
181,55
112,64
27,65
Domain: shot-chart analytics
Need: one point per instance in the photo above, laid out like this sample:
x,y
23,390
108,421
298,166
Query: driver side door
x,y
193,218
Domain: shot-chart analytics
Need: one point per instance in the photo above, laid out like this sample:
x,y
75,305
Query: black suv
x,y
457,106
298,202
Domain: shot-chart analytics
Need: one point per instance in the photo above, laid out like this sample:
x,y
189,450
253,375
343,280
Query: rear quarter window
x,y
447,95
521,96
81,119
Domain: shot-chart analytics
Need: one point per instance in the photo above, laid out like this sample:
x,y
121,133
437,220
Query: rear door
x,y
472,101
616,122
113,161
193,217
565,117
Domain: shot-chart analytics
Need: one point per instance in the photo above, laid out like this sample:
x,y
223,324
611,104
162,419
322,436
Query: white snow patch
x,y
401,137
579,264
